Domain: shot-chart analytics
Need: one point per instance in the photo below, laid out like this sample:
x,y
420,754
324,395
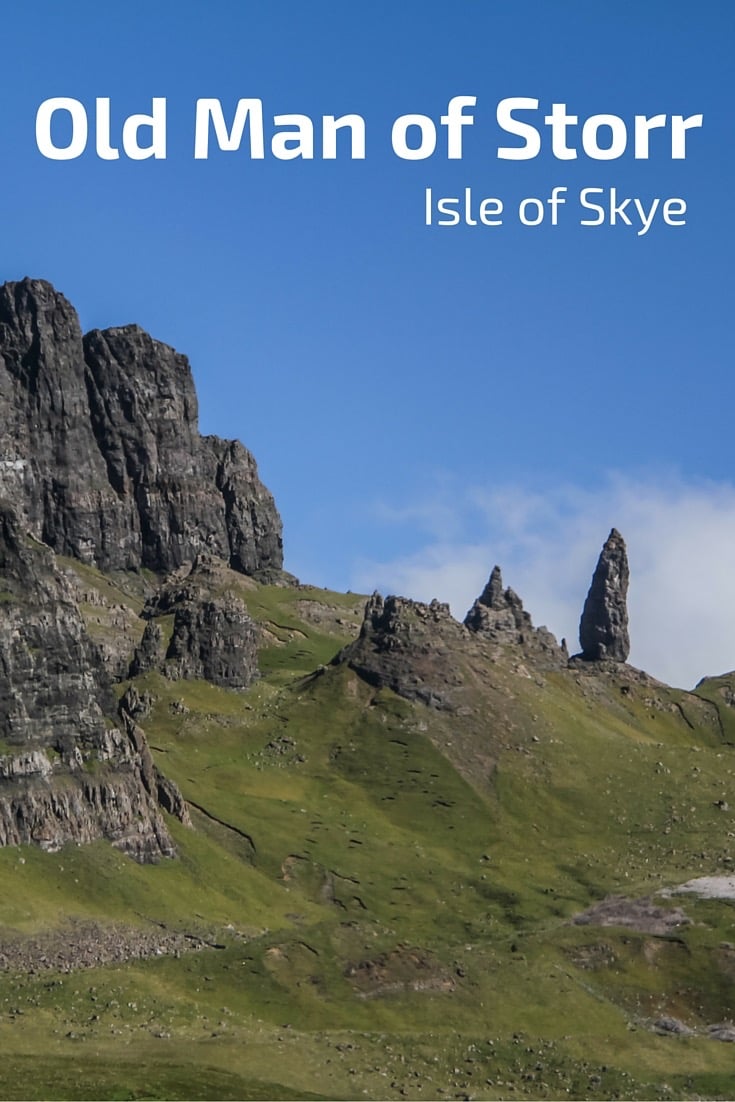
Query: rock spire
x,y
498,614
603,629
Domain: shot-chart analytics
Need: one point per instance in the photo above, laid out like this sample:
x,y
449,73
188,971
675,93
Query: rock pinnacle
x,y
603,629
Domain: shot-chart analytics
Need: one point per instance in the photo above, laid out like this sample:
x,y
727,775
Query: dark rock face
x,y
408,647
498,614
212,635
215,640
100,453
165,792
603,629
419,651
68,773
151,653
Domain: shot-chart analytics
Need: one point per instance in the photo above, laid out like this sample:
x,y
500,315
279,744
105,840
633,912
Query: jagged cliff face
x,y
100,453
68,772
101,460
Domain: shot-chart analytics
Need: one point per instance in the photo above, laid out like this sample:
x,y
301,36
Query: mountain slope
x,y
413,858
388,892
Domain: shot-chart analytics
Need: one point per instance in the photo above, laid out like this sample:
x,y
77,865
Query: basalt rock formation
x,y
100,453
498,614
101,460
418,650
409,647
68,772
211,637
603,629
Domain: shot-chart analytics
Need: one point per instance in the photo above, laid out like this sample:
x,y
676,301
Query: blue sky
x,y
390,376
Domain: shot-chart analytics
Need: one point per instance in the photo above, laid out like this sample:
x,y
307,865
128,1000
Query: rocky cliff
x,y
68,771
100,453
101,460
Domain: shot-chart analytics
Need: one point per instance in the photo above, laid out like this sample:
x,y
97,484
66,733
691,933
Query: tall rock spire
x,y
603,629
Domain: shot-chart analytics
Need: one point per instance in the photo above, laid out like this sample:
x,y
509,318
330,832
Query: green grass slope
x,y
391,890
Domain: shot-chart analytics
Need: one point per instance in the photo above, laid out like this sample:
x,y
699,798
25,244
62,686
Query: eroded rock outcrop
x,y
68,772
603,629
210,633
409,647
100,453
498,614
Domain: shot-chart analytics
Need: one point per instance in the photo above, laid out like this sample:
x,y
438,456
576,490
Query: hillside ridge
x,y
376,851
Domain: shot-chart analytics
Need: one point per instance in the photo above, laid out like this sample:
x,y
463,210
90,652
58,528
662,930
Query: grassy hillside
x,y
387,891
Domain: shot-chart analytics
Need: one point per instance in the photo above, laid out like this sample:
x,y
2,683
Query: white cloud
x,y
681,545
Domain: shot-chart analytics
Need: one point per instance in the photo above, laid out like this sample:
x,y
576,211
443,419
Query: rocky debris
x,y
83,944
100,453
707,887
642,915
498,615
592,957
664,1026
211,636
673,1027
722,1031
282,751
603,629
398,971
282,744
408,647
68,773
